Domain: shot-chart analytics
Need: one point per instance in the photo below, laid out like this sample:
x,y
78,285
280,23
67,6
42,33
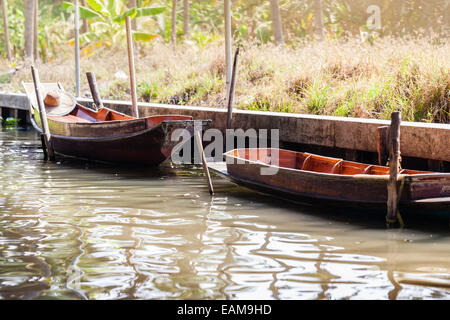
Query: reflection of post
x,y
228,52
5,26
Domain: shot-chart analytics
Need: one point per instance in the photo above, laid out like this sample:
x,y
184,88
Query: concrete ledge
x,y
14,101
419,140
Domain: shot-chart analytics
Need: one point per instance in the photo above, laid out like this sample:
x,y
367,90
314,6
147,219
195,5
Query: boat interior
x,y
82,114
311,162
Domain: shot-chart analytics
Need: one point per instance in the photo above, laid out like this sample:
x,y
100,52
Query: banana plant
x,y
106,20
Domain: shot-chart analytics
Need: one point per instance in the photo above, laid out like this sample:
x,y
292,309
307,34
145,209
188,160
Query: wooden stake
x,y
5,26
43,114
131,67
205,165
94,90
231,93
77,47
382,145
394,159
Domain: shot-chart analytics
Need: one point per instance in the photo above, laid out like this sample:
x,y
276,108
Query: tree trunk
x,y
36,30
29,35
173,32
186,19
5,25
276,21
85,26
318,19
133,4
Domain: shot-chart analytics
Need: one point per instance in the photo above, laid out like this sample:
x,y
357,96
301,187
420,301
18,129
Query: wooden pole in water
x,y
394,164
205,165
232,87
131,67
43,115
5,25
94,90
77,47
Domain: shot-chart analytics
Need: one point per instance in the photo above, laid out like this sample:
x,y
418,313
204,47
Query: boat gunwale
x,y
113,138
408,177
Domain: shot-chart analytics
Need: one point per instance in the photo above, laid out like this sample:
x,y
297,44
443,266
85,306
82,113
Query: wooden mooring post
x,y
394,165
232,89
94,89
135,108
48,150
198,138
382,147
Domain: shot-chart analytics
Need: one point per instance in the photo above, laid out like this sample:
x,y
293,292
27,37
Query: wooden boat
x,y
110,136
313,178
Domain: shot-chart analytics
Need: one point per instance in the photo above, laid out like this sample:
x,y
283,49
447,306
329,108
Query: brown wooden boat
x,y
308,177
110,136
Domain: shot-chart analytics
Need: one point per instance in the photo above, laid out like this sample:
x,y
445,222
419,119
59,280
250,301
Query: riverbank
x,y
350,79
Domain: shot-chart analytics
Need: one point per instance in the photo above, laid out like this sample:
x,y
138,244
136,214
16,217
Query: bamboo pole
x,y
394,164
77,47
232,88
228,44
5,26
205,164
131,68
94,90
43,115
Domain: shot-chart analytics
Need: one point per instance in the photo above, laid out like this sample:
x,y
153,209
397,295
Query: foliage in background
x,y
106,18
406,67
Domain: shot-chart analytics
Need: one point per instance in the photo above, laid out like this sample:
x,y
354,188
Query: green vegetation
x,y
347,69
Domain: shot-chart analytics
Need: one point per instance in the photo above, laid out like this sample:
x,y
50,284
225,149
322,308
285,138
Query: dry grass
x,y
329,78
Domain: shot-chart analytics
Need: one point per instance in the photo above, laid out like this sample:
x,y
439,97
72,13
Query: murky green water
x,y
73,230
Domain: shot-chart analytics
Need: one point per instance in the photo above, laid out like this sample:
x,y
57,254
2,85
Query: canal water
x,y
78,230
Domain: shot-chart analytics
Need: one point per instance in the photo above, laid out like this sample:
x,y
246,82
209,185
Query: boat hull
x,y
418,192
150,146
147,147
